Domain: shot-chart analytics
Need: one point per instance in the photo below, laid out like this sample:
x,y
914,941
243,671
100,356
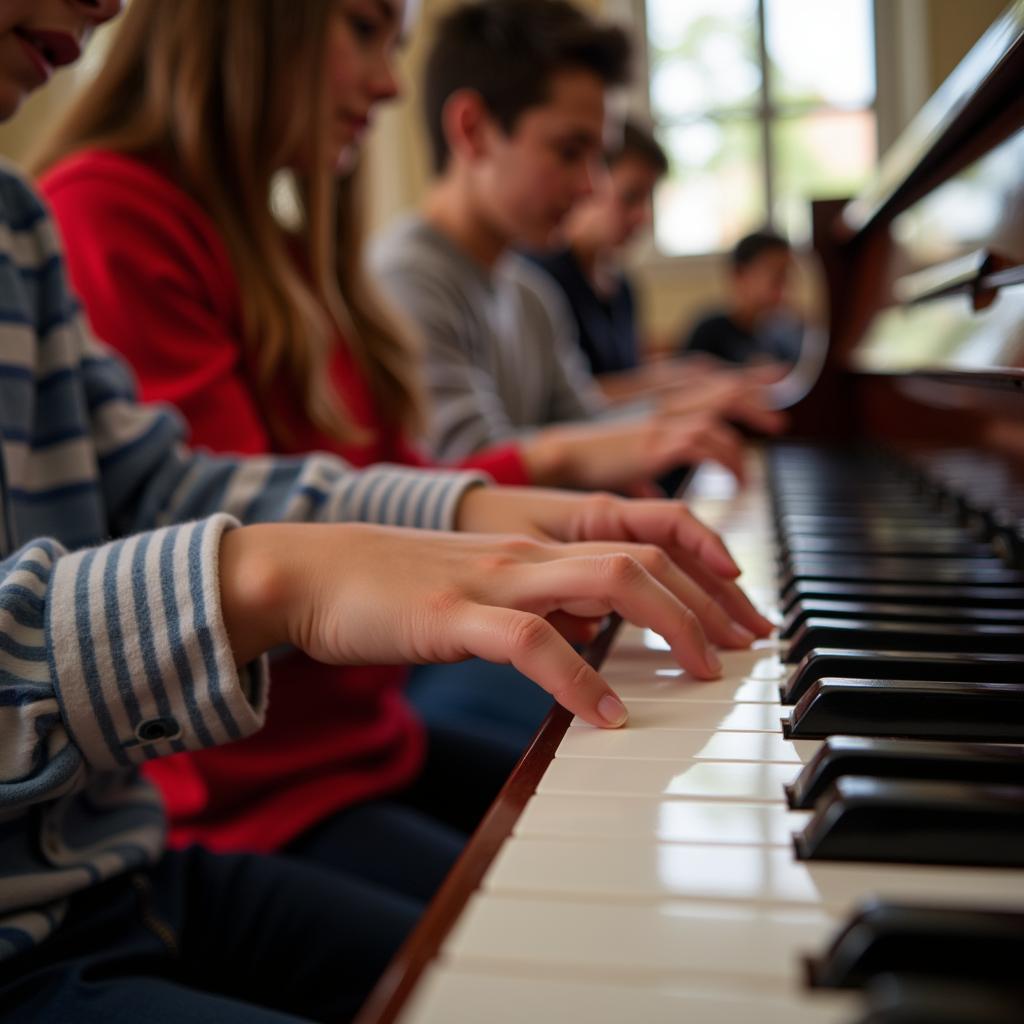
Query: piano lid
x,y
956,302
984,79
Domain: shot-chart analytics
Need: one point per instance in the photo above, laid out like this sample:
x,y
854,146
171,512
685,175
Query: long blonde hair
x,y
226,93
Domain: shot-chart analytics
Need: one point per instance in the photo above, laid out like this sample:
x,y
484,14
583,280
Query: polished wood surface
x,y
953,186
400,979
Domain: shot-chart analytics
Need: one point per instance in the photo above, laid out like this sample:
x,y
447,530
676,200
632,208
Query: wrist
x,y
255,589
546,457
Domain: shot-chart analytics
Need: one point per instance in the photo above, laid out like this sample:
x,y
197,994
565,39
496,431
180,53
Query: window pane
x,y
704,56
821,52
714,192
820,156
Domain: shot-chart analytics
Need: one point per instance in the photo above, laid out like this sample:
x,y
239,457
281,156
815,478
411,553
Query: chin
x,y
345,159
10,100
546,238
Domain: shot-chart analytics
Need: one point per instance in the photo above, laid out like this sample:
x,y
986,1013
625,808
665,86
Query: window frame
x,y
899,90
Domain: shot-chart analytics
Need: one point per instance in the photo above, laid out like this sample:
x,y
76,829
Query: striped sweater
x,y
114,651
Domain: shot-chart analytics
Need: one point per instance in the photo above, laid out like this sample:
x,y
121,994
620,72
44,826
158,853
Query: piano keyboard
x,y
653,875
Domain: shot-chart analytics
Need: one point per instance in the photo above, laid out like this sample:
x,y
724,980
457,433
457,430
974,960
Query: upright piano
x,y
834,831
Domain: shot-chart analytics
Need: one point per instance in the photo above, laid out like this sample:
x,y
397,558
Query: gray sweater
x,y
501,352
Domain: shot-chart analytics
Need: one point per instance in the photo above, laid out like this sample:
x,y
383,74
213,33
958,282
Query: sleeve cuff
x,y
142,663
399,496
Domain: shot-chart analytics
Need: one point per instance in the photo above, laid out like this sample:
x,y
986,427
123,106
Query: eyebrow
x,y
585,138
389,12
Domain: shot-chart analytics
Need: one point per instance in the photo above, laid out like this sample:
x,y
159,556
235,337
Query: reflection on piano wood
x,y
652,876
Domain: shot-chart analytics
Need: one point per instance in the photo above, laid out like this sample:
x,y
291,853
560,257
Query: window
x,y
762,106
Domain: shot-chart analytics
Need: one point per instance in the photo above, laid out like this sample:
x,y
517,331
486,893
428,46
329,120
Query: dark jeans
x,y
210,939
204,938
495,703
409,842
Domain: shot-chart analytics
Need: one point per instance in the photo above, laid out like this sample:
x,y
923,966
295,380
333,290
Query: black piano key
x,y
847,527
903,636
876,611
883,938
910,709
848,663
910,999
917,572
830,547
865,819
935,595
1008,543
840,756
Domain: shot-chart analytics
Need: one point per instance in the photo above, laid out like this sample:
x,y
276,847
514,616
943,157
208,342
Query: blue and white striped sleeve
x,y
150,478
114,655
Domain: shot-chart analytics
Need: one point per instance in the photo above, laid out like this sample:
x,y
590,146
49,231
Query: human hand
x,y
619,454
666,528
357,594
740,396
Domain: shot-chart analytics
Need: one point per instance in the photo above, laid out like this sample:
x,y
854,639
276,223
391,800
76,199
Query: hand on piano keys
x,y
702,866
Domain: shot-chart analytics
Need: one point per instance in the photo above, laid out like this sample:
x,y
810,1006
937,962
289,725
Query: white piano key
x,y
454,995
680,745
690,821
613,941
714,780
645,647
665,684
699,716
638,870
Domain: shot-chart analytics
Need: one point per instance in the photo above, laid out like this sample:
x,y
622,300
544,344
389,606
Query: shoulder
x,y
421,269
408,244
713,322
129,205
558,263
536,291
118,174
101,184
21,209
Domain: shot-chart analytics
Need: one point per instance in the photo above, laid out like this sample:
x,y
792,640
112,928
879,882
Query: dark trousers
x,y
495,703
204,938
210,939
408,842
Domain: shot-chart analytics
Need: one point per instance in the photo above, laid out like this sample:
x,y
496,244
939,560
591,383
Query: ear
x,y
467,125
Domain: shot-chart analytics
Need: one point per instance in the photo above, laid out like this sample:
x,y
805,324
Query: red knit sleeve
x,y
157,285
503,462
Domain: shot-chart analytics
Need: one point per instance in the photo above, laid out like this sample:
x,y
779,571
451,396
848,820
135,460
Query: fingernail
x,y
612,710
714,662
741,636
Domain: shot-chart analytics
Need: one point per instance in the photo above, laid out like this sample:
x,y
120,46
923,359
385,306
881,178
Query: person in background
x,y
756,323
587,266
514,95
139,583
270,340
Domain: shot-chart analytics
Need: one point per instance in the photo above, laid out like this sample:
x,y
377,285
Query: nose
x,y
646,217
592,173
98,11
386,84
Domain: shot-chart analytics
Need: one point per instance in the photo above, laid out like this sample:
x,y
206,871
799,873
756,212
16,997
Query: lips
x,y
52,49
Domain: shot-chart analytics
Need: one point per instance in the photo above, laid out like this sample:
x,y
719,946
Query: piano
x,y
833,832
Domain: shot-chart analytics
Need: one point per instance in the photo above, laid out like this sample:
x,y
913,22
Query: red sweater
x,y
159,286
